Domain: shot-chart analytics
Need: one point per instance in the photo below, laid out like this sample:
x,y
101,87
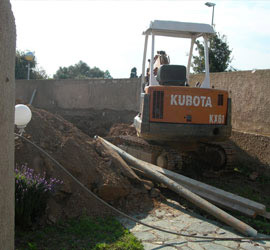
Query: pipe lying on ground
x,y
214,195
179,189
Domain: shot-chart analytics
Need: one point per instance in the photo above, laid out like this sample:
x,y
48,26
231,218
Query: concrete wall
x,y
7,89
250,92
116,94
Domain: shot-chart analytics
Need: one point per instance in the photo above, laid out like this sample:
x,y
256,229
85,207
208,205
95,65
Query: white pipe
x,y
144,60
152,80
206,82
190,57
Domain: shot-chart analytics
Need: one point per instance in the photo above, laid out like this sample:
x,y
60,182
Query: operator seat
x,y
172,75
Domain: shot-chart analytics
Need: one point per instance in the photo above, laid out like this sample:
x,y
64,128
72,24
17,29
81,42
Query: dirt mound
x,y
122,129
96,122
86,160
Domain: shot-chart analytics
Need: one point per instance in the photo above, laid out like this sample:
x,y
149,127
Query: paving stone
x,y
213,246
178,227
179,242
166,247
231,244
163,224
180,224
189,221
175,220
183,224
145,236
140,228
149,219
182,217
250,246
195,245
158,242
227,234
185,248
202,227
165,236
264,243
160,212
149,246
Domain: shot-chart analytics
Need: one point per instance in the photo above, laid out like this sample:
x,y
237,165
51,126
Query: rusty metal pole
x,y
193,198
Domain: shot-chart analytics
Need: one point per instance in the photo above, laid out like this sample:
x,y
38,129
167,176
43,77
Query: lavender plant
x,y
31,195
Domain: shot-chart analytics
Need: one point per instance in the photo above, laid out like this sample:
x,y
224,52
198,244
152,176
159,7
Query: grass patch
x,y
84,233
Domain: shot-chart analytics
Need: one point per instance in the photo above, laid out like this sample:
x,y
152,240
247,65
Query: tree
x,y
133,73
107,75
80,71
21,67
219,55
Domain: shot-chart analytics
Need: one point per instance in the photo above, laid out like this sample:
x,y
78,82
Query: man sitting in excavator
x,y
160,58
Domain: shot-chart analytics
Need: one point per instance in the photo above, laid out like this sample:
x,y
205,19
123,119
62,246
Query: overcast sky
x,y
108,34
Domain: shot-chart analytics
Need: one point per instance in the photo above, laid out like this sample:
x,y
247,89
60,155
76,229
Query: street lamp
x,y
29,56
23,116
208,4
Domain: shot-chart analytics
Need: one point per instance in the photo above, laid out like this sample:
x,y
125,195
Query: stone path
x,y
172,216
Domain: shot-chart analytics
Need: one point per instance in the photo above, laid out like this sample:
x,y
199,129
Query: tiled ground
x,y
173,217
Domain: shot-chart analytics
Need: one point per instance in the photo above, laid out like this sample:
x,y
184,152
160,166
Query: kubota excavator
x,y
175,117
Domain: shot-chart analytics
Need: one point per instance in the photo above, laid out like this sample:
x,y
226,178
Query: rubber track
x,y
229,151
174,157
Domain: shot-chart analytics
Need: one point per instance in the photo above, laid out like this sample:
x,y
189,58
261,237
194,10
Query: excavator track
x,y
229,153
165,157
214,156
224,155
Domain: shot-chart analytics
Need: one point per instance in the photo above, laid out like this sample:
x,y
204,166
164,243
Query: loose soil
x,y
86,160
96,122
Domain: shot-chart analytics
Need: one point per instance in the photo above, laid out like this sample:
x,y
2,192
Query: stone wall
x,y
7,89
116,94
250,93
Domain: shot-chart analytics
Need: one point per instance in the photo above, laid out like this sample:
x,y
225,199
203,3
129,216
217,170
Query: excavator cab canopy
x,y
180,30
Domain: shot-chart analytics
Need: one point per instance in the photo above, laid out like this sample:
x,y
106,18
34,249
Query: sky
x,y
108,34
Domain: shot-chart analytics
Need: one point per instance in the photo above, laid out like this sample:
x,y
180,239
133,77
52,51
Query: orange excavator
x,y
175,116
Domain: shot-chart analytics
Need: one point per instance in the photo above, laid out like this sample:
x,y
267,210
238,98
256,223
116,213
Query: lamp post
x,y
29,56
208,4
